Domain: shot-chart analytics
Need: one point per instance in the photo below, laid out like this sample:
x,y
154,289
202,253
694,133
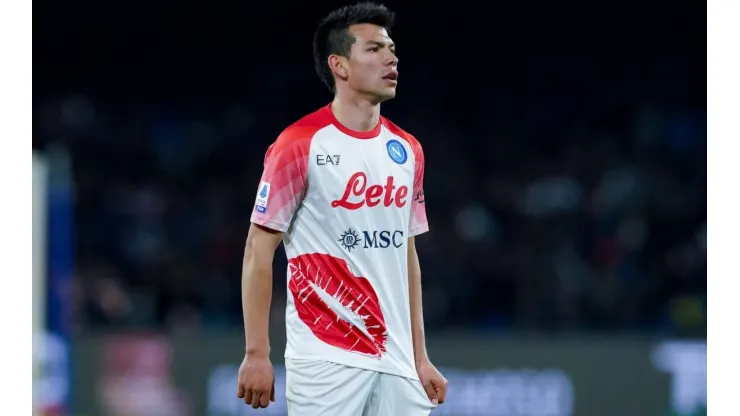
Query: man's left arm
x,y
417,311
434,383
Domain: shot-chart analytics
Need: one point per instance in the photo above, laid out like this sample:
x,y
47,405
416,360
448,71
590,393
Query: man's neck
x,y
355,113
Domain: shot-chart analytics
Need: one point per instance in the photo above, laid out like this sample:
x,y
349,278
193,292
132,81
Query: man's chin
x,y
386,94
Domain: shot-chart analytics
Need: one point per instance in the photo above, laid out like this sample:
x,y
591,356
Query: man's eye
x,y
375,49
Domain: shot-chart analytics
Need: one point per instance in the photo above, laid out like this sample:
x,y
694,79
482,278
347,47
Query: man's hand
x,y
256,381
434,383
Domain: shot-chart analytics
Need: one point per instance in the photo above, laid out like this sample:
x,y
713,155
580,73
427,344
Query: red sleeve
x,y
284,180
418,223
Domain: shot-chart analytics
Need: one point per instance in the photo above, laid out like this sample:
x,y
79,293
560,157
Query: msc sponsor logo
x,y
349,239
352,239
383,239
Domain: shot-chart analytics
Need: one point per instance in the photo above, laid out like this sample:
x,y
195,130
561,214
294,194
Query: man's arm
x,y
257,288
417,314
282,185
431,379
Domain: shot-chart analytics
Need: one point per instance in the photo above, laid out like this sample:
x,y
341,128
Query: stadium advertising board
x,y
513,377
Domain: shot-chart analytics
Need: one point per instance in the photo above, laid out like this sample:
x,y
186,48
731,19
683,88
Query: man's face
x,y
372,65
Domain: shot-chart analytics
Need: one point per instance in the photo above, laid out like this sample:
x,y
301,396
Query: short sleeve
x,y
418,222
283,182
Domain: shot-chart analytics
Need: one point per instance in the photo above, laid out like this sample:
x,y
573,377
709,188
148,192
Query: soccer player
x,y
342,189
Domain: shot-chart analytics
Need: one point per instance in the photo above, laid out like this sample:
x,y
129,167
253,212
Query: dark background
x,y
565,155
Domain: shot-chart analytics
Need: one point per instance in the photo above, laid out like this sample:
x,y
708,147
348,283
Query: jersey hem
x,y
276,226
419,229
378,369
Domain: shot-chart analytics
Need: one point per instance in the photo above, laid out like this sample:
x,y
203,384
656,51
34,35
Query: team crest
x,y
396,151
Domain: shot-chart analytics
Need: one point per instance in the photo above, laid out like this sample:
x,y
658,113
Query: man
x,y
342,189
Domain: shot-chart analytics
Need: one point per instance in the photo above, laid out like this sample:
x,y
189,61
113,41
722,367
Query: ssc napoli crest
x,y
396,151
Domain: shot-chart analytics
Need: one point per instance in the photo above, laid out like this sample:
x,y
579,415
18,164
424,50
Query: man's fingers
x,y
265,400
240,391
431,393
256,399
441,389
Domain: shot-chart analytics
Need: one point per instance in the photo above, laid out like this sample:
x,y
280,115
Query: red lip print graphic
x,y
360,327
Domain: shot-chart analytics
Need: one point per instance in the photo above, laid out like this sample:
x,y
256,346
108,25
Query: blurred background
x,y
565,144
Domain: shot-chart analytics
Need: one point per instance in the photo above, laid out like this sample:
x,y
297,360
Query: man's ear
x,y
339,66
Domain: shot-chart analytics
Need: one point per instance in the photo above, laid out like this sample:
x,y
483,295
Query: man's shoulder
x,y
398,131
306,127
296,138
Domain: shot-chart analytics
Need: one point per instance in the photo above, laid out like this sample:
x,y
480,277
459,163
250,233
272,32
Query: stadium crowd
x,y
573,208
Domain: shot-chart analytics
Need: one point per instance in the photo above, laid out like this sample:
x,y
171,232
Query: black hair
x,y
332,37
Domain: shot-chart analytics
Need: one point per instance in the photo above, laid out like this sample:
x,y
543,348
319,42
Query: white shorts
x,y
321,388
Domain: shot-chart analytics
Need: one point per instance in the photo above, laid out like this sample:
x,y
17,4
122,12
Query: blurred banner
x,y
491,377
137,379
53,269
39,211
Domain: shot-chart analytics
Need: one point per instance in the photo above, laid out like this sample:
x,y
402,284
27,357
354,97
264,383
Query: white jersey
x,y
347,202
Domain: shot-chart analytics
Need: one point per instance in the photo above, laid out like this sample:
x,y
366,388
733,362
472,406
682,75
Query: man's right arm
x,y
279,195
257,288
281,189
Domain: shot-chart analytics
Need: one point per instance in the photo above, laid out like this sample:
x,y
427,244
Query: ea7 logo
x,y
323,160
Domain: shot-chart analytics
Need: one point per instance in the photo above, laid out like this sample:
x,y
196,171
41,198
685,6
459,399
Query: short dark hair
x,y
332,37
